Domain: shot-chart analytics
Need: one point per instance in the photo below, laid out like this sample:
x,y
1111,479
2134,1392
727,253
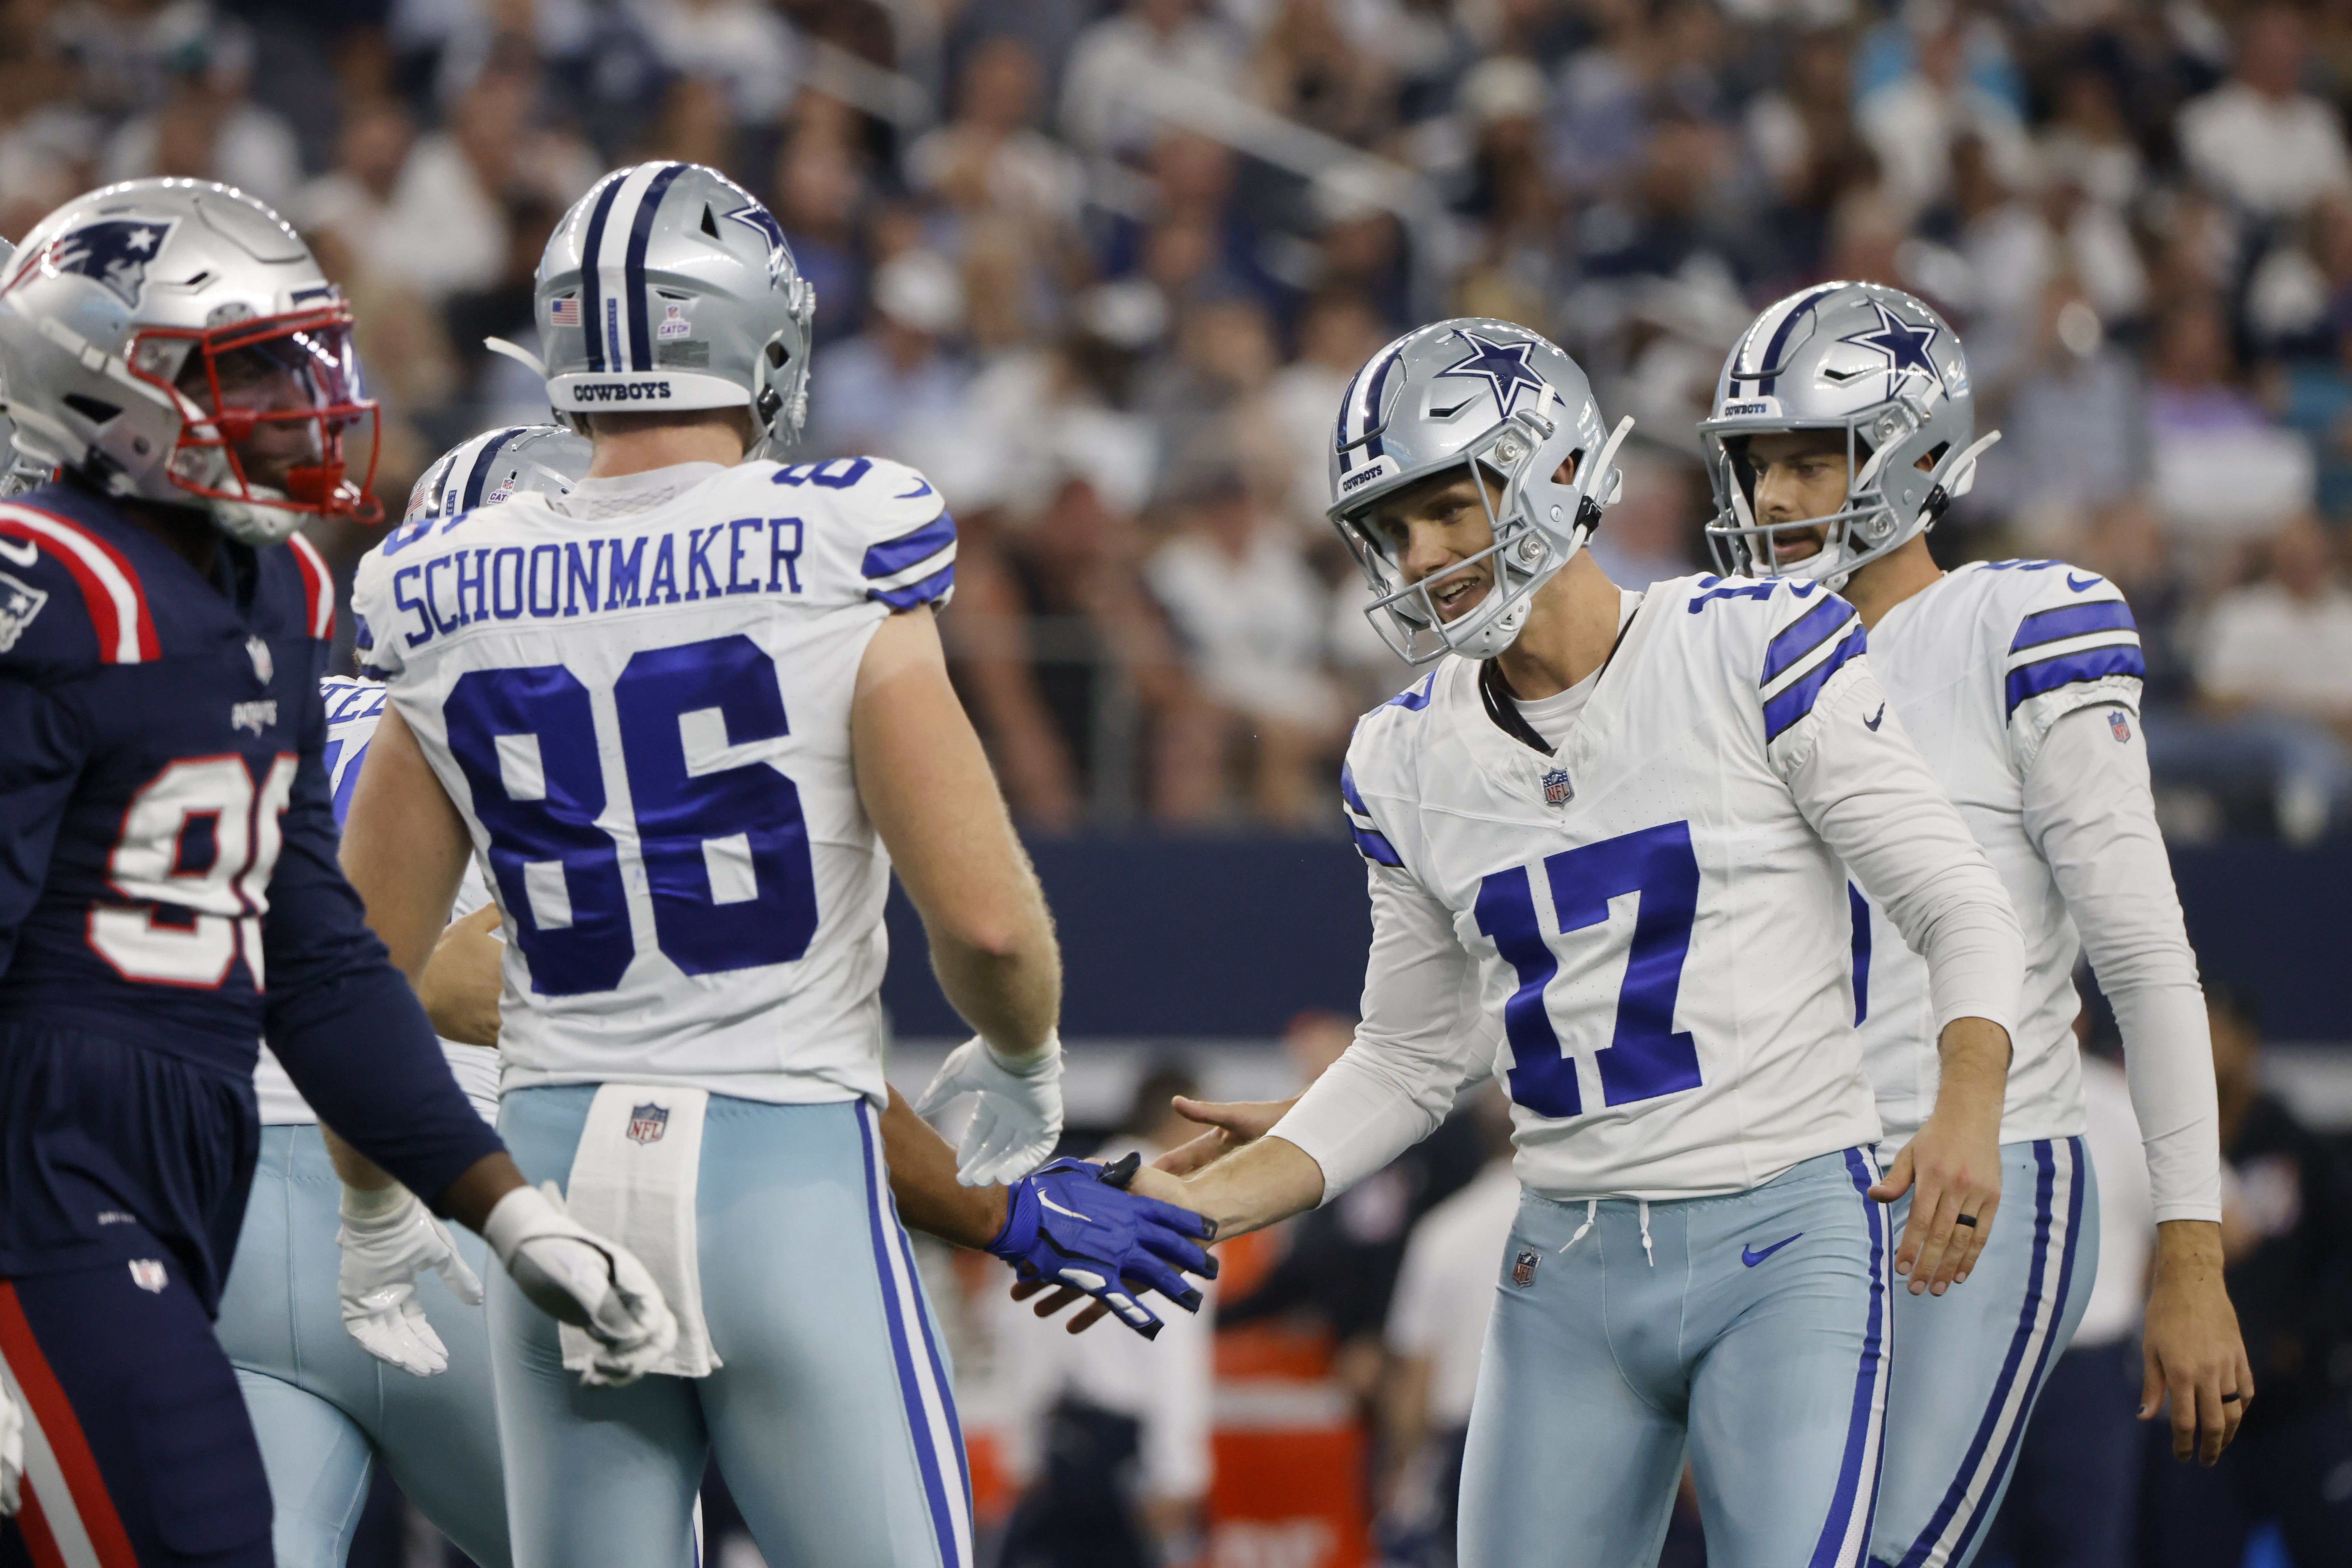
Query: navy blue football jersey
x,y
169,894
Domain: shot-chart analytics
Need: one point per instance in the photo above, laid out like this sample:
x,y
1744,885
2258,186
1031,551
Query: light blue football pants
x,y
833,1418
323,1408
1750,1331
1973,1360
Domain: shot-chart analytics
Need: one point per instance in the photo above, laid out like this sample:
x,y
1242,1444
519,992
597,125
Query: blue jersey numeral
x,y
1647,1057
724,848
701,832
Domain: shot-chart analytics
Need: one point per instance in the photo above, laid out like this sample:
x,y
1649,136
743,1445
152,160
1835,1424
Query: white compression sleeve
x,y
1420,1040
2089,811
1871,797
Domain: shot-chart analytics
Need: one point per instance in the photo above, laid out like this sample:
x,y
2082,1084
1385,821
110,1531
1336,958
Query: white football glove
x,y
1019,1118
577,1276
388,1240
12,1452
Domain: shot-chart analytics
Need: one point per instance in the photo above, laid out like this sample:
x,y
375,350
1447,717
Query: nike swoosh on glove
x,y
1075,1224
12,1453
387,1240
577,1276
1019,1118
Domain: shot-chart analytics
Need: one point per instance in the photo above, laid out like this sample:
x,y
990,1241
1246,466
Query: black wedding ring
x,y
1967,1219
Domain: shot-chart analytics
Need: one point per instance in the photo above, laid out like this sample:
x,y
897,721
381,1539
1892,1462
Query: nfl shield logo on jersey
x,y
19,603
1523,1267
147,1273
2116,722
647,1123
1558,791
264,667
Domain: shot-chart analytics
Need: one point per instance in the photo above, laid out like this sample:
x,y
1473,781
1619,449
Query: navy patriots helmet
x,y
1503,402
669,286
173,340
1875,365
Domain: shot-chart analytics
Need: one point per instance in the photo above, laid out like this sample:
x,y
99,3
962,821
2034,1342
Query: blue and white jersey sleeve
x,y
1422,1034
2075,645
1862,786
893,543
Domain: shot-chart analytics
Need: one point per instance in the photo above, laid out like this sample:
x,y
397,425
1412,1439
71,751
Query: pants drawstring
x,y
1647,1252
1592,1208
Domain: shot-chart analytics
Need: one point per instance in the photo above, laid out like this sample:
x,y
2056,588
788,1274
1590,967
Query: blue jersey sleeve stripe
x,y
1415,697
894,555
1798,700
2073,621
935,586
1809,631
1375,846
2090,664
1348,791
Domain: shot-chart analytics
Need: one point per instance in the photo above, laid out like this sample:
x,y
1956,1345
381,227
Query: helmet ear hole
x,y
95,410
778,353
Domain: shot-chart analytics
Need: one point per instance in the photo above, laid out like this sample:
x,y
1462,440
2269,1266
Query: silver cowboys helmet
x,y
669,286
173,340
1876,365
486,469
1504,402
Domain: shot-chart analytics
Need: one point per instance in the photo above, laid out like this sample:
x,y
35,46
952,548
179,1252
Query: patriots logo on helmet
x,y
1503,365
1904,345
647,1123
112,251
752,214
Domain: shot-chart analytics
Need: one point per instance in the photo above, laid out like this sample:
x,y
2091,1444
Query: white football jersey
x,y
644,719
1980,666
1652,916
354,707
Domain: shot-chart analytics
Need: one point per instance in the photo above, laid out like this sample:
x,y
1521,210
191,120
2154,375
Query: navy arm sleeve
x,y
41,753
345,1023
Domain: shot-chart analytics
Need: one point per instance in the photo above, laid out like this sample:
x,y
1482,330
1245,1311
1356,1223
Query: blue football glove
x,y
1073,1222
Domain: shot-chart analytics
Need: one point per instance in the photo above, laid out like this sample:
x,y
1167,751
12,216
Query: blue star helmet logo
x,y
1503,365
1904,345
112,251
752,216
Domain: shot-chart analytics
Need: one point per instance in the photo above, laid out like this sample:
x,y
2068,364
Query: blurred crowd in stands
x,y
1102,268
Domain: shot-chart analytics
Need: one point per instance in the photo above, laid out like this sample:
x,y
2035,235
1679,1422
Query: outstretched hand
x,y
1231,1124
1074,1224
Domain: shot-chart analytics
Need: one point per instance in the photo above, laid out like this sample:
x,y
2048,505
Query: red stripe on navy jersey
x,y
111,589
48,1408
318,587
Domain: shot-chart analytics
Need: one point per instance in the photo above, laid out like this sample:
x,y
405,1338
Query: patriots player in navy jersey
x,y
168,889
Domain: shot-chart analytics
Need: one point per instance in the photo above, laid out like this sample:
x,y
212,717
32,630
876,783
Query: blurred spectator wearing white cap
x,y
2259,139
867,392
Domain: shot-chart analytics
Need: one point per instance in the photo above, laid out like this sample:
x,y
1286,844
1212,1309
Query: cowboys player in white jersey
x,y
689,717
1604,848
1844,425
301,1317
